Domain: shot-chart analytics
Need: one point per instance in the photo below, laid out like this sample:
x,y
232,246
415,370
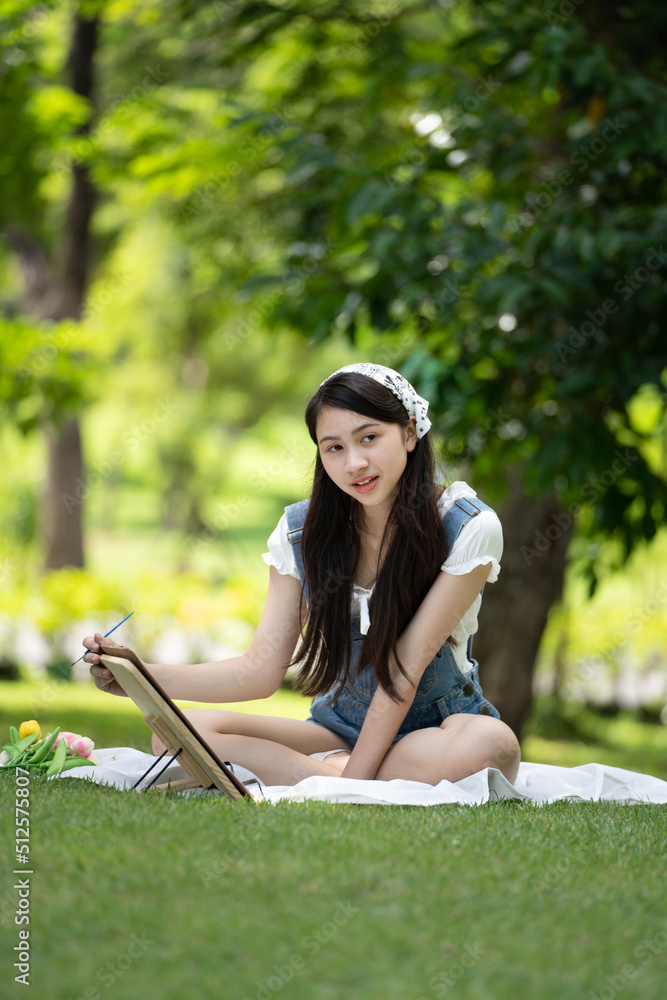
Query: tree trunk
x,y
76,240
63,522
514,609
63,535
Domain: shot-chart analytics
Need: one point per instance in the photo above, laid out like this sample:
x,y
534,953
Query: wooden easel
x,y
202,765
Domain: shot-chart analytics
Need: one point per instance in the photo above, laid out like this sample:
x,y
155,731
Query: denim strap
x,y
296,518
458,515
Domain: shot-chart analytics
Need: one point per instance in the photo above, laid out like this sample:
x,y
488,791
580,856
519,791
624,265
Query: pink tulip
x,y
69,738
81,747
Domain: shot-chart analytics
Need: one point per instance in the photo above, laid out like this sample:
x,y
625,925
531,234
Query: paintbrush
x,y
108,633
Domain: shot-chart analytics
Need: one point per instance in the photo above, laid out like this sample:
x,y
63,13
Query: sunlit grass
x,y
159,895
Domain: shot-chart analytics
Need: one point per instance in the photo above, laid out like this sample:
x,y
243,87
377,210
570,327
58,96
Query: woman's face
x,y
355,448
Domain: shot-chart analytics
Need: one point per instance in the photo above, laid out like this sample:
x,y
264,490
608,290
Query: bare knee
x,y
505,751
493,741
202,719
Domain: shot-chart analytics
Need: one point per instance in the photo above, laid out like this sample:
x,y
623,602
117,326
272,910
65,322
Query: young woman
x,y
374,589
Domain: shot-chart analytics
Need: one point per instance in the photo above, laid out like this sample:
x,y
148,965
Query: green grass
x,y
165,896
157,895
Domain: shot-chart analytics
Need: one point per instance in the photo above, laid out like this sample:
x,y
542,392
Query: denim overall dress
x,y
443,690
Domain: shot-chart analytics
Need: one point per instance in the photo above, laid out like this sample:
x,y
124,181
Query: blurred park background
x,y
206,208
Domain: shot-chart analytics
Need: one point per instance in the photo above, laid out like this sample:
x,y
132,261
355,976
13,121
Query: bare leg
x,y
274,749
277,750
339,759
462,745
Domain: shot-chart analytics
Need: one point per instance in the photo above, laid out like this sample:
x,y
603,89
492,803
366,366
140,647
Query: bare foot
x,y
339,759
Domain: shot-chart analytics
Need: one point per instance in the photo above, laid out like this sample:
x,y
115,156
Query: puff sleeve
x,y
281,553
479,542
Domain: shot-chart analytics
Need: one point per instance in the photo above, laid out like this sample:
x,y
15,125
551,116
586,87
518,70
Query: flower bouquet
x,y
55,753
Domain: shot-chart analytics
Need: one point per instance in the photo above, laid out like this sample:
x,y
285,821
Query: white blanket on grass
x,y
539,783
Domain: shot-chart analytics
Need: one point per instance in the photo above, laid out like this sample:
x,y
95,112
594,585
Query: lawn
x,y
160,895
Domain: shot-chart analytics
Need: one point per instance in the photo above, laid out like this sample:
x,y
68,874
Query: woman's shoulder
x,y
485,523
480,539
281,553
297,509
450,494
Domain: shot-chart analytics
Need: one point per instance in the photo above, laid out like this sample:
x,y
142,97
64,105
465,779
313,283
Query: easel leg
x,y
171,759
179,784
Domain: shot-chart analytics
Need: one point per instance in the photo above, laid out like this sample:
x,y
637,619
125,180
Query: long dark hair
x,y
414,539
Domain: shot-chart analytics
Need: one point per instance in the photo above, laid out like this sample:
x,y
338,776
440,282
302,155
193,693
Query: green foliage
x,y
59,600
623,626
471,192
568,734
509,210
59,668
47,370
67,594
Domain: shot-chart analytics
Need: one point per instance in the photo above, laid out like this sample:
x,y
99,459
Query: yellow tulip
x,y
28,728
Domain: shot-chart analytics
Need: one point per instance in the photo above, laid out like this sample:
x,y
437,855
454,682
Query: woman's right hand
x,y
103,678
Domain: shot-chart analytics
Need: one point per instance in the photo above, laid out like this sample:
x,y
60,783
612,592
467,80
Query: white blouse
x,y
479,543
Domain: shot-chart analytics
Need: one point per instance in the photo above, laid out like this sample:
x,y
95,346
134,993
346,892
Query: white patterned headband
x,y
399,386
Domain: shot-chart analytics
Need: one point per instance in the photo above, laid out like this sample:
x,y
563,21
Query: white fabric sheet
x,y
539,783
